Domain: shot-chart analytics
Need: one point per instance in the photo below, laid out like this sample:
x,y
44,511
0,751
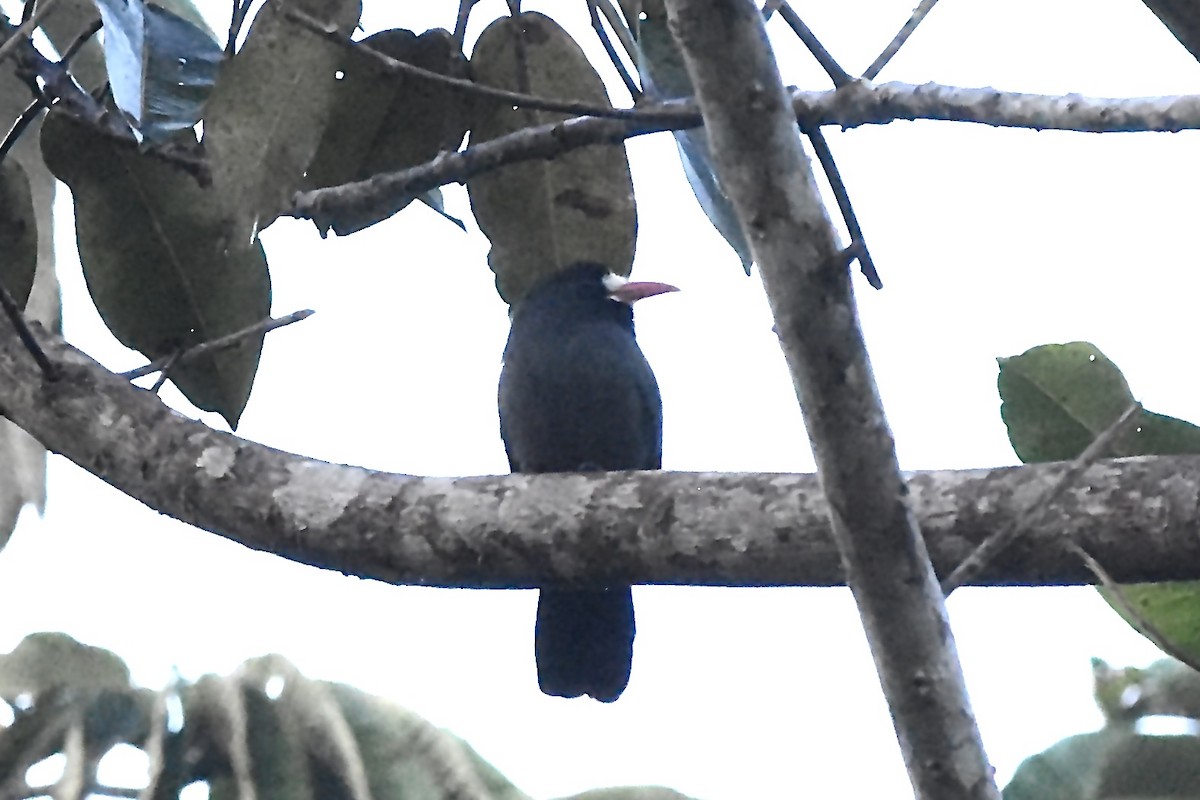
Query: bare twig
x,y
169,361
989,548
858,243
74,47
13,311
26,28
229,340
377,198
899,39
838,75
460,25
631,85
236,20
27,117
520,99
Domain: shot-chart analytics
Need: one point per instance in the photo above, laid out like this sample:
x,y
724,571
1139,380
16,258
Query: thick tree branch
x,y
763,169
858,103
1136,516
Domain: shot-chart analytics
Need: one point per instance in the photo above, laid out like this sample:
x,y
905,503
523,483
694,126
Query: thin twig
x,y
236,20
838,75
899,39
171,361
858,243
631,86
26,28
27,117
621,26
520,99
989,548
27,10
460,25
74,47
220,343
49,371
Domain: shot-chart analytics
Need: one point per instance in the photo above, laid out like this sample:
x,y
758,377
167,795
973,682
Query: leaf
x,y
161,67
1111,763
45,661
544,215
157,263
18,232
267,113
385,121
661,67
1167,687
1056,400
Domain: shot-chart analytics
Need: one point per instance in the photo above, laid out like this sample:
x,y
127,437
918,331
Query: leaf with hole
x,y
270,106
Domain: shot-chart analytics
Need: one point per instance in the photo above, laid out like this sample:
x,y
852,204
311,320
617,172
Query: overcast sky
x,y
988,241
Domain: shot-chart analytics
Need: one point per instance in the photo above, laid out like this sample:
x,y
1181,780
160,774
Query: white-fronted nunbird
x,y
576,395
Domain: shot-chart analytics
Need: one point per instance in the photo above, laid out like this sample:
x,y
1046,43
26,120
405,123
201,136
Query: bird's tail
x,y
584,642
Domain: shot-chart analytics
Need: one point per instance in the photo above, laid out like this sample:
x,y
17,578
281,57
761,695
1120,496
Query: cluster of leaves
x,y
167,222
1119,761
265,731
1057,399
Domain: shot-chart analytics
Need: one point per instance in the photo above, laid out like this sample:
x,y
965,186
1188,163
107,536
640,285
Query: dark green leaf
x,y
18,232
385,121
543,215
158,264
265,118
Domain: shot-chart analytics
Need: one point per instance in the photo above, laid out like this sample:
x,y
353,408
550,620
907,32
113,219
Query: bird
x,y
576,394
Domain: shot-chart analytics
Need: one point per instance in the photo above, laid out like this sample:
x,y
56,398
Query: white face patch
x,y
613,281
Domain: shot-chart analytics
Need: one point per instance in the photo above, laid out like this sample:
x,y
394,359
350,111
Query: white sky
x,y
988,241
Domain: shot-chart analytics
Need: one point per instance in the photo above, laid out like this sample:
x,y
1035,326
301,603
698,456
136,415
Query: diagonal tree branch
x,y
354,206
764,171
1135,516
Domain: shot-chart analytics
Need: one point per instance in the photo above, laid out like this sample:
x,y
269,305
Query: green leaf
x,y
46,661
1171,608
18,232
1056,400
157,263
161,67
267,113
544,215
1112,763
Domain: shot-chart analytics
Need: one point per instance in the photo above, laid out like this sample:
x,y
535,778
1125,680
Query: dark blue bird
x,y
577,395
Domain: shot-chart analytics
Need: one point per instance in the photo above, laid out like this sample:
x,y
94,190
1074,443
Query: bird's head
x,y
585,290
